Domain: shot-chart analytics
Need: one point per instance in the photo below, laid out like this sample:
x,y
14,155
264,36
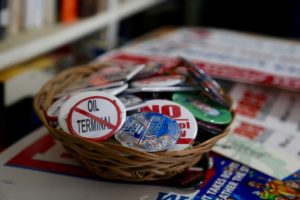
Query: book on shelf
x,y
33,14
3,17
87,8
49,10
68,11
102,5
15,17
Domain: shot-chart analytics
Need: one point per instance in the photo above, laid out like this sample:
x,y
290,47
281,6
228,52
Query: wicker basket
x,y
110,160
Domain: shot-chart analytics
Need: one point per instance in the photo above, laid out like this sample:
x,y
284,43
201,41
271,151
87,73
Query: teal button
x,y
203,108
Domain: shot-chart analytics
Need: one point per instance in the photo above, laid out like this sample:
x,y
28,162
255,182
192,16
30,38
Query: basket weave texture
x,y
110,160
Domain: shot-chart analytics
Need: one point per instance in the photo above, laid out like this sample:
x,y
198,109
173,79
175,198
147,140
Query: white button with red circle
x,y
183,117
93,115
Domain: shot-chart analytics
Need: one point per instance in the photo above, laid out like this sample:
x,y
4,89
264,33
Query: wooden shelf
x,y
14,50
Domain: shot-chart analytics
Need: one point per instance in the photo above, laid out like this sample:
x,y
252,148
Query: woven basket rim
x,y
82,68
45,97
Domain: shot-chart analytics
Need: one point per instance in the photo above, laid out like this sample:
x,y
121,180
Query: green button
x,y
203,108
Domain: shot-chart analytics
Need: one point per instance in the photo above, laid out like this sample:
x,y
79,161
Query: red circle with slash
x,y
99,123
181,115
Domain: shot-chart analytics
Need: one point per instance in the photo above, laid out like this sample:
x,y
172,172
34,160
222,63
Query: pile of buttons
x,y
147,107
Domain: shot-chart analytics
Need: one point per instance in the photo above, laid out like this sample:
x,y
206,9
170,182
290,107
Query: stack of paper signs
x,y
265,133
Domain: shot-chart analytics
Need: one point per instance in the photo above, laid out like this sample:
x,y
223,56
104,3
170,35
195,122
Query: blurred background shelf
x,y
19,48
31,55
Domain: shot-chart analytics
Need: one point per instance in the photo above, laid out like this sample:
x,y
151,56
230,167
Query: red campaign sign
x,y
27,158
224,71
159,81
249,131
251,103
86,120
154,80
98,80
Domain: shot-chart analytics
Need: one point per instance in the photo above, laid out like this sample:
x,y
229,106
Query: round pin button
x,y
210,87
211,128
131,102
159,81
203,109
98,79
106,74
149,131
207,130
53,110
183,117
150,69
115,73
117,90
92,115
